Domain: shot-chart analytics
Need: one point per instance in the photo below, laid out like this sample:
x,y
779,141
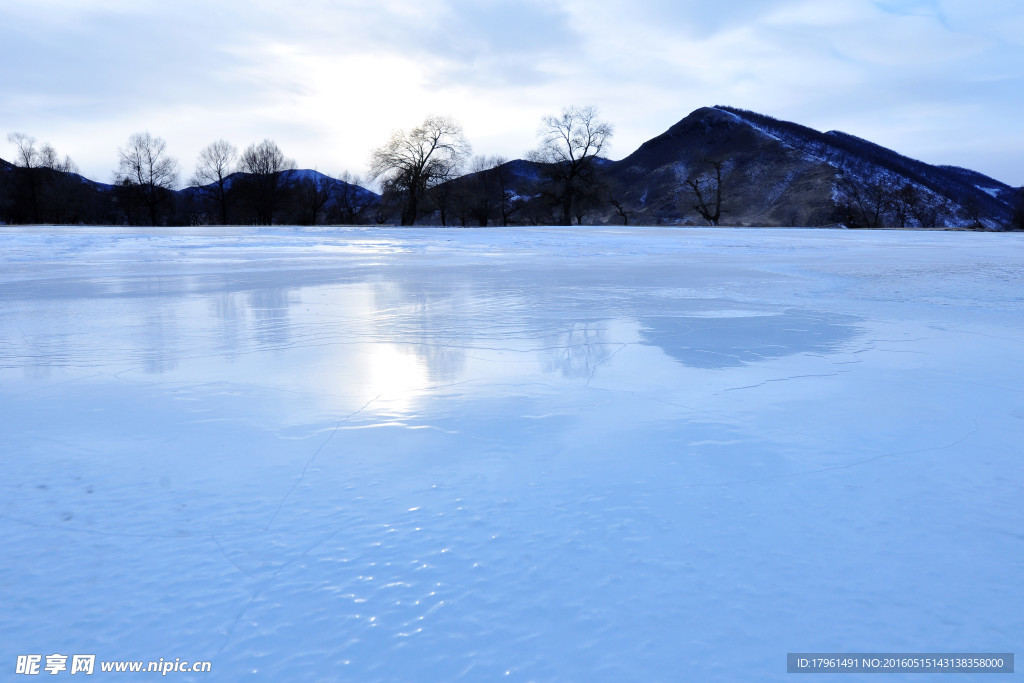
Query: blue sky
x,y
939,80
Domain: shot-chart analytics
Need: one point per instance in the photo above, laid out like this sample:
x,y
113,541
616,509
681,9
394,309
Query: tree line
x,y
259,185
426,174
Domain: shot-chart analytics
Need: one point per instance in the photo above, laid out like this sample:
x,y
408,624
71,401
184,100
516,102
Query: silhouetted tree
x,y
509,201
478,193
592,194
620,208
44,187
215,165
864,203
27,180
62,190
929,213
410,164
265,185
312,192
351,203
707,189
570,145
903,202
146,173
442,196
970,209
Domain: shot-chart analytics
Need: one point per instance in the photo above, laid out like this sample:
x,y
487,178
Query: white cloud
x,y
329,80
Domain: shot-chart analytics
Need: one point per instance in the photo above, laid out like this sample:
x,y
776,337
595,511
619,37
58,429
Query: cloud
x,y
329,79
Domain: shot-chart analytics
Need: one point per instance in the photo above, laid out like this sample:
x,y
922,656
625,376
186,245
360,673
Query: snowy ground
x,y
525,454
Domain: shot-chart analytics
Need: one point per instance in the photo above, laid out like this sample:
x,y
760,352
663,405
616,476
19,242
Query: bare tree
x,y
620,209
707,189
146,169
509,202
27,155
61,185
570,145
865,203
215,164
930,213
411,163
477,195
351,201
903,202
442,195
313,191
27,159
970,208
45,186
593,193
267,174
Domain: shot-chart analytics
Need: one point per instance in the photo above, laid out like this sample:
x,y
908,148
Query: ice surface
x,y
525,454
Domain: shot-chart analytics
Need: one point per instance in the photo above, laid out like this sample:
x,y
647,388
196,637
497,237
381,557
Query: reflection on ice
x,y
578,352
392,340
270,309
735,337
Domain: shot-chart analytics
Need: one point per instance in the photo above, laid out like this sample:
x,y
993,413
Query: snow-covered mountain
x,y
781,173
775,173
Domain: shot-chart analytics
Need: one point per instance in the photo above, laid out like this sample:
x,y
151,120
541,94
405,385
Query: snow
x,y
519,454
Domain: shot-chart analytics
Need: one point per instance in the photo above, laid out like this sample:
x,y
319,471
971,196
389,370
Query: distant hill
x,y
294,177
777,173
304,196
46,195
765,180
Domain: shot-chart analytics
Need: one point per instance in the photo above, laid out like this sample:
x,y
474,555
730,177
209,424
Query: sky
x,y
329,80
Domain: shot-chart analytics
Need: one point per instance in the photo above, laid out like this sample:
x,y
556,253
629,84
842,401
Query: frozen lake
x,y
509,454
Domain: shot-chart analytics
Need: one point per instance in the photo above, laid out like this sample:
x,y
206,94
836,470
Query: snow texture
x,y
528,454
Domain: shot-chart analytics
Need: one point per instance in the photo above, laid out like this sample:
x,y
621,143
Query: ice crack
x,y
313,457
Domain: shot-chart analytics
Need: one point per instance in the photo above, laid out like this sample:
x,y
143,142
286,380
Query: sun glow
x,y
393,379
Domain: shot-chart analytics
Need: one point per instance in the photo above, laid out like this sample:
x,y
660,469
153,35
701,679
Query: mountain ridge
x,y
780,173
767,172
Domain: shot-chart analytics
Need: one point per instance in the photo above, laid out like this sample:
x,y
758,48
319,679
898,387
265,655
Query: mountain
x,y
294,177
306,175
302,196
766,181
776,173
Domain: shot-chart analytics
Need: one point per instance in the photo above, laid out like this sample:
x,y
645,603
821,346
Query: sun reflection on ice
x,y
395,378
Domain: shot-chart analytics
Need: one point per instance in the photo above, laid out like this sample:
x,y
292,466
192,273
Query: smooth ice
x,y
509,454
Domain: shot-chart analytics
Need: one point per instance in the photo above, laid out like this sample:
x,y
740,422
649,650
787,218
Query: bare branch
x,y
411,163
570,144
